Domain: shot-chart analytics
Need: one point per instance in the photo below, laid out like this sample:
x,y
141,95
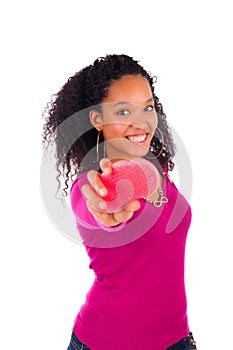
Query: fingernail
x,y
106,171
102,205
102,192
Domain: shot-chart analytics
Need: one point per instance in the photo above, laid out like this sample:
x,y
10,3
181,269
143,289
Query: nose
x,y
138,119
143,120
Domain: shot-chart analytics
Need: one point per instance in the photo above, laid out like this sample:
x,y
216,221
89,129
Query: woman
x,y
105,113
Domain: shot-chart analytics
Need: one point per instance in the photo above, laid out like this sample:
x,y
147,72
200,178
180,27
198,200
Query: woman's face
x,y
128,118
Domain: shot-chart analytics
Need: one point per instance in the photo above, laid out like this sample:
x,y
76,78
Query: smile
x,y
137,138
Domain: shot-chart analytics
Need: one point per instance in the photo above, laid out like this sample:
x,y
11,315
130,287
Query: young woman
x,y
105,113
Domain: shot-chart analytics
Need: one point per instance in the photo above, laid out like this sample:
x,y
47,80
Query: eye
x,y
123,112
149,108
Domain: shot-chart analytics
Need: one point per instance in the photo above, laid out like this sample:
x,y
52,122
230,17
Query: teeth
x,y
139,138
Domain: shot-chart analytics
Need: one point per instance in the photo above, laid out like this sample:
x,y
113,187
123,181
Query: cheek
x,y
154,123
112,131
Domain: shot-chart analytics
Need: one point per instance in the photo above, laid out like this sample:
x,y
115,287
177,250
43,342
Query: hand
x,y
96,205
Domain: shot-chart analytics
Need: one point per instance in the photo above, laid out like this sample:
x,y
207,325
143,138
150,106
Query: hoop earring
x,y
162,140
97,146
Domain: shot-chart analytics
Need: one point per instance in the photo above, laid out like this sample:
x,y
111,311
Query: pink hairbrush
x,y
129,180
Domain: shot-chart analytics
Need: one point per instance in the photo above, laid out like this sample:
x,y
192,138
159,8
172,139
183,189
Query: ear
x,y
96,119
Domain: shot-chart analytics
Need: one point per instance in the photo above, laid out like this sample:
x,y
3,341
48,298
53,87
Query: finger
x,y
105,218
122,216
93,199
133,206
106,166
98,213
127,212
96,183
110,219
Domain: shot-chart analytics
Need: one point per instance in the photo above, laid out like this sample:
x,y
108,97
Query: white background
x,y
188,45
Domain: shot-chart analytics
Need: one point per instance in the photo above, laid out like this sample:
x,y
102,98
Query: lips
x,y
137,138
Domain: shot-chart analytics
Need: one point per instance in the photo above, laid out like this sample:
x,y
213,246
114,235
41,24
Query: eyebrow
x,y
125,102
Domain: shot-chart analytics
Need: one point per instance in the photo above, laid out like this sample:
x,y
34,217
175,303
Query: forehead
x,y
130,88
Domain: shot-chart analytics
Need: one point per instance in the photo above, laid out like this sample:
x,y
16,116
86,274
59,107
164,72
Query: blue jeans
x,y
187,343
76,344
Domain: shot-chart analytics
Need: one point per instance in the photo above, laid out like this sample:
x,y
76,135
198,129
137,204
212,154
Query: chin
x,y
138,153
126,151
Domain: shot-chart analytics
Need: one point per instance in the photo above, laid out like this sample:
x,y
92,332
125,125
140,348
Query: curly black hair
x,y
67,123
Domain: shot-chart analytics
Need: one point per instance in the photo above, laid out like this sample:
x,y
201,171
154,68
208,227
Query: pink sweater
x,y
137,300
